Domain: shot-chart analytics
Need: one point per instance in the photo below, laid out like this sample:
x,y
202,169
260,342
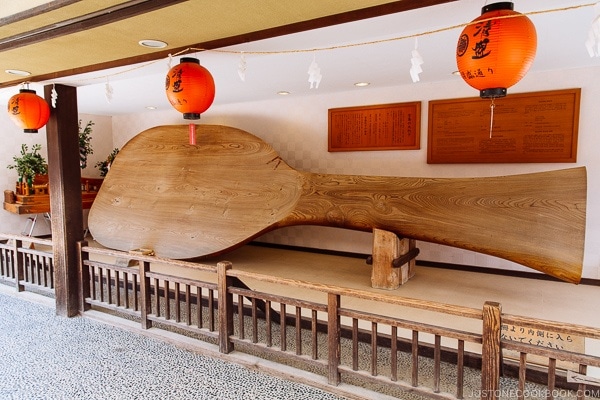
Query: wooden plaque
x,y
379,127
534,127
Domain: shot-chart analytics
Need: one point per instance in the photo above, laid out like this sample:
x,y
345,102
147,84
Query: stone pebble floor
x,y
43,356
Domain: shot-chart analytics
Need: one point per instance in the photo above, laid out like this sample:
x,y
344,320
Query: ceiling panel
x,y
17,21
180,25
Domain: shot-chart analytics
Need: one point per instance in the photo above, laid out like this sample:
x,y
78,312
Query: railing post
x,y
18,265
84,277
333,338
145,295
225,307
491,350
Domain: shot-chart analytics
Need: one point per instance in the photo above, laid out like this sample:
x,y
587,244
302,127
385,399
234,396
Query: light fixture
x,y
17,72
361,84
283,93
496,49
28,111
150,108
152,44
190,89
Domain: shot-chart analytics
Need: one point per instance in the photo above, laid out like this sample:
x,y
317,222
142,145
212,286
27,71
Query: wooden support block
x,y
129,262
126,262
408,247
393,260
385,249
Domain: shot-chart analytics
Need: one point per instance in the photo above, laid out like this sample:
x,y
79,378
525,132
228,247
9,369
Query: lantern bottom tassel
x,y
192,134
492,106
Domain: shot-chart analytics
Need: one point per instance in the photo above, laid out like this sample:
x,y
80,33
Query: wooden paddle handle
x,y
537,220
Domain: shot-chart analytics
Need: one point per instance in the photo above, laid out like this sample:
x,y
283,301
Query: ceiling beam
x,y
83,22
36,11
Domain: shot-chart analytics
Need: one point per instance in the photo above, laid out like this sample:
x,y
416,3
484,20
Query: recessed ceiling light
x,y
150,108
152,44
361,84
17,72
283,93
455,72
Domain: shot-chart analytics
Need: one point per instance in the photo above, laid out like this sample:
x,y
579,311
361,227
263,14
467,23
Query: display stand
x,y
393,260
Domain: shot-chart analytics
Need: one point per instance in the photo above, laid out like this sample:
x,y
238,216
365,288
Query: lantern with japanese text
x,y
190,89
496,49
28,110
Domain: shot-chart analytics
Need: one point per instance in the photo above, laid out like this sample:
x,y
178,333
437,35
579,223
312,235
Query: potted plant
x,y
85,145
30,164
104,166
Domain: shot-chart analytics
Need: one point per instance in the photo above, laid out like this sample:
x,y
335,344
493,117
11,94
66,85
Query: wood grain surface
x,y
189,201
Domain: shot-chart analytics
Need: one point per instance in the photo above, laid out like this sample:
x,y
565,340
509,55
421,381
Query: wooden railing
x,y
23,265
340,343
363,336
553,355
320,333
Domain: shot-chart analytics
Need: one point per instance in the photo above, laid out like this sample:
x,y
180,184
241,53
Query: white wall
x,y
297,129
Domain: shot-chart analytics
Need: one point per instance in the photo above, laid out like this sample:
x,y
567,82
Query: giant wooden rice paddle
x,y
188,201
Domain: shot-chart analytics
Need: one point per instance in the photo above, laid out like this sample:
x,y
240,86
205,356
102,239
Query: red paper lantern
x,y
28,110
190,88
496,49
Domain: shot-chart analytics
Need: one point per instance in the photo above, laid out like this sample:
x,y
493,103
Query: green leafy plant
x,y
85,145
104,166
30,164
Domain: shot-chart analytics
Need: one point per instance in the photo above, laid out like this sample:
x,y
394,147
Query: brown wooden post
x,y
145,295
84,276
333,338
491,350
64,177
225,307
407,271
18,265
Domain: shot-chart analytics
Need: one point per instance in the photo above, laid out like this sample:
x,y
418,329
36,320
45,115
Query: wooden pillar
x,y
84,277
333,338
18,264
225,307
64,177
491,351
146,295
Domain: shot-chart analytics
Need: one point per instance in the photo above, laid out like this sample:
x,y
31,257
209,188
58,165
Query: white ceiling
x,y
561,45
